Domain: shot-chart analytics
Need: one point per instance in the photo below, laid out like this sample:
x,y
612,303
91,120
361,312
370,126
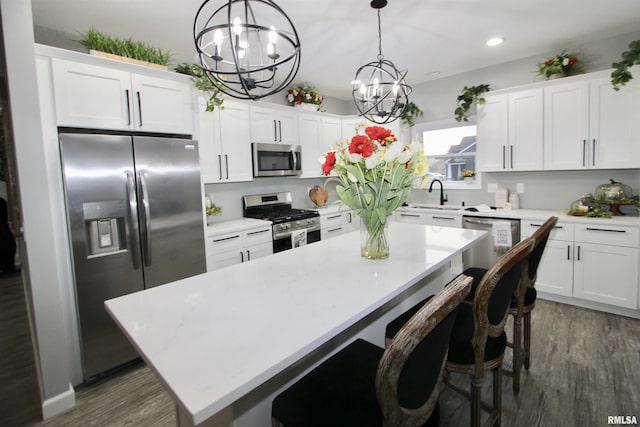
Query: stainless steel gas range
x,y
288,223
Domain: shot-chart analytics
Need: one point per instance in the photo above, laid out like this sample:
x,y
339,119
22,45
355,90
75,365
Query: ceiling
x,y
338,36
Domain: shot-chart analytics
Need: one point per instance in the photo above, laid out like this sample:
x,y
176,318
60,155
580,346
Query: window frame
x,y
417,135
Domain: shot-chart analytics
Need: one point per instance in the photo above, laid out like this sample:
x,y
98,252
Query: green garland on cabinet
x,y
204,84
469,96
621,74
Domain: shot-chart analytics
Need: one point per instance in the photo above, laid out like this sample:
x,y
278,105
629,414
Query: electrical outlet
x,y
520,188
491,188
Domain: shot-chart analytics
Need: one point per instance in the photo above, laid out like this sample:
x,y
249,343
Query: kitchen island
x,y
226,342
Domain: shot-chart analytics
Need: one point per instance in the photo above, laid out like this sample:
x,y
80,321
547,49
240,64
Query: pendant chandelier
x,y
249,49
379,90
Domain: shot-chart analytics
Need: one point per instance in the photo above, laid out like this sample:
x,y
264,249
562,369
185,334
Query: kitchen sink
x,y
437,207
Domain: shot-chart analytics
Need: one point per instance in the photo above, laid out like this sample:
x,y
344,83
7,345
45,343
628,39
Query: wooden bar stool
x,y
523,302
365,385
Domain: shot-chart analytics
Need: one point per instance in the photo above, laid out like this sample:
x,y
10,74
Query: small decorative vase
x,y
468,180
374,238
307,106
557,76
318,196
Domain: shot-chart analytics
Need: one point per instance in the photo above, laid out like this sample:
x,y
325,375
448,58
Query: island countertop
x,y
214,337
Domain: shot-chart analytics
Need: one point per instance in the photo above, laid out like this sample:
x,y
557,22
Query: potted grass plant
x,y
127,50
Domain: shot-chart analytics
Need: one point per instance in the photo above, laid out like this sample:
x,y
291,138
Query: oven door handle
x,y
287,233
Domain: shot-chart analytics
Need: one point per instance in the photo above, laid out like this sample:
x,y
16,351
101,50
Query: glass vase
x,y
374,238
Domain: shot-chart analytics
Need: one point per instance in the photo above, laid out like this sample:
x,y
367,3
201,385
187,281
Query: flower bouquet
x,y
376,172
565,63
303,95
467,173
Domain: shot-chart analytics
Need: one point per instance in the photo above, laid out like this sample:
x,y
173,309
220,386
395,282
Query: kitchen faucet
x,y
443,197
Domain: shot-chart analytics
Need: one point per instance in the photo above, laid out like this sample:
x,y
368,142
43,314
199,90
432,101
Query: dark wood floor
x,y
585,367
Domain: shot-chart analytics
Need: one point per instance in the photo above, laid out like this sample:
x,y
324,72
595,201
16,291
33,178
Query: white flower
x,y
352,178
565,62
353,157
290,97
373,160
405,156
393,151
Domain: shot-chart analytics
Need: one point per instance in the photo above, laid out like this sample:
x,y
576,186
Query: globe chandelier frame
x,y
379,89
242,57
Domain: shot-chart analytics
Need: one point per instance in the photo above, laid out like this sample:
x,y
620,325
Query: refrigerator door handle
x,y
146,215
134,236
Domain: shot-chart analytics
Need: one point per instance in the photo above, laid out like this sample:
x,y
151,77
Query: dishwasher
x,y
485,253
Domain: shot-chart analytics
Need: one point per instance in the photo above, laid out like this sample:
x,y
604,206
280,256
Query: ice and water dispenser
x,y
104,227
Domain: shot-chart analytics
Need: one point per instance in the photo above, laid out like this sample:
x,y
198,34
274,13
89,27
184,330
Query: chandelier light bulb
x,y
218,37
237,26
273,35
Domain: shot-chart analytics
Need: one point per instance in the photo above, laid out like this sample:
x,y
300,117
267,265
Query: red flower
x,y
572,61
329,162
380,134
360,144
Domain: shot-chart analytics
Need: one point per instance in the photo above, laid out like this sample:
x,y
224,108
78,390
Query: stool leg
x,y
497,393
527,340
476,401
517,353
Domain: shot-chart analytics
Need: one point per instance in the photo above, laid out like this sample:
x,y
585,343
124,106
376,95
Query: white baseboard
x,y
59,403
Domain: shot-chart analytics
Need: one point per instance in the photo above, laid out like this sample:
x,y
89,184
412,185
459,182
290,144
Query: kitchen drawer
x,y
412,217
257,236
334,219
225,242
445,220
606,234
562,231
329,232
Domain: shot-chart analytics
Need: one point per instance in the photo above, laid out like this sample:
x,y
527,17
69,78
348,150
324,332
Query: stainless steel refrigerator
x,y
134,210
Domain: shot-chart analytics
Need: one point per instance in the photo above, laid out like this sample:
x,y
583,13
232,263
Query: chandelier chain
x,y
380,55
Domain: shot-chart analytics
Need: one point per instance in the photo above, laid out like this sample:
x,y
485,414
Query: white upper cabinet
x,y
566,126
311,141
224,141
614,126
274,125
510,131
493,134
96,97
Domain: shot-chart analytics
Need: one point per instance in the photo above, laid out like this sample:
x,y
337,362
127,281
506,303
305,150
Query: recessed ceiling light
x,y
433,73
494,41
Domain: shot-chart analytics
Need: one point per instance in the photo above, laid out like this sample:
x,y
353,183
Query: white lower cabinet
x,y
225,249
593,262
336,223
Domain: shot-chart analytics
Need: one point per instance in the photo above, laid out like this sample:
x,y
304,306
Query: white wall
x,y
49,284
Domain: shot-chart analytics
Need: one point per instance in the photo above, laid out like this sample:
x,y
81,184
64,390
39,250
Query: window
x,y
450,148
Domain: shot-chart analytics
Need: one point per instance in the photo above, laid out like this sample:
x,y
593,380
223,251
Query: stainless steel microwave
x,y
276,159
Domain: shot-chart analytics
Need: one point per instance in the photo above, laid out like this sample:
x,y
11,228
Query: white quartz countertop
x,y
233,225
214,337
536,215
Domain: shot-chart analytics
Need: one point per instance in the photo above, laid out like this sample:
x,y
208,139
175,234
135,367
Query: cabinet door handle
x,y
251,233
275,132
593,153
226,164
139,107
540,225
334,216
444,217
334,229
578,252
280,130
241,256
248,255
584,152
126,92
220,165
410,215
226,238
511,156
504,157
606,230
569,252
